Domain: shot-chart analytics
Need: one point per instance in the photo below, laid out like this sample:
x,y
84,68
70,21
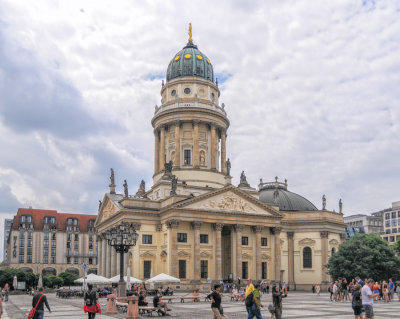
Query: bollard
x,y
133,309
111,305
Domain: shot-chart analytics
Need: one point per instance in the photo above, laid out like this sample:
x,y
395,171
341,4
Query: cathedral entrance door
x,y
226,252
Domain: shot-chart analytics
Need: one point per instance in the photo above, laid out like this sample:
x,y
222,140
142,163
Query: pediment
x,y
205,254
229,200
307,242
333,242
183,253
107,209
147,254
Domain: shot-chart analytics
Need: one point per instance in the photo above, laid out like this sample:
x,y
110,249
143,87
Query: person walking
x,y
385,291
91,302
40,299
391,289
249,290
277,296
215,298
1,304
368,298
255,310
356,303
318,289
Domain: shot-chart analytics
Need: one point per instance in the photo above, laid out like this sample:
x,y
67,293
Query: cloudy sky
x,y
311,89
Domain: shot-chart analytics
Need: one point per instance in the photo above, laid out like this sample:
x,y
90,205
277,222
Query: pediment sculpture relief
x,y
246,256
265,256
147,254
108,210
307,242
183,253
230,202
205,254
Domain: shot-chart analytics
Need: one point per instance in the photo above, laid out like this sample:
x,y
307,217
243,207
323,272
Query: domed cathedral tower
x,y
190,127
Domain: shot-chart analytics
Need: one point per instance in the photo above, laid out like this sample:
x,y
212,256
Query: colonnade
x,y
109,260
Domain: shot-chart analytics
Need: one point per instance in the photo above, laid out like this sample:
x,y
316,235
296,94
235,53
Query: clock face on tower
x,y
186,90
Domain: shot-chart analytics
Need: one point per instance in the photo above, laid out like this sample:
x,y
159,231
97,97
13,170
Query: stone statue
x,y
261,181
168,167
142,189
323,202
112,180
340,206
202,159
126,189
99,204
228,167
174,185
276,196
243,180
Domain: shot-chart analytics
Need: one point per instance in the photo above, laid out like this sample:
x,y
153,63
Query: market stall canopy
x,y
93,279
163,278
133,280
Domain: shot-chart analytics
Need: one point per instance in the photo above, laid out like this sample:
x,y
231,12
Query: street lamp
x,y
122,238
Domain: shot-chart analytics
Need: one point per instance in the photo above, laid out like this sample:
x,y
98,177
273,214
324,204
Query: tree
x,y
396,247
7,276
52,281
366,256
68,278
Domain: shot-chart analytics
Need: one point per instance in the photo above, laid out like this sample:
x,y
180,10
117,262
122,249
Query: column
x,y
162,148
99,254
113,261
258,230
324,256
109,261
196,254
126,264
290,236
213,147
239,229
196,158
218,251
177,159
118,267
223,151
276,231
104,258
172,225
156,152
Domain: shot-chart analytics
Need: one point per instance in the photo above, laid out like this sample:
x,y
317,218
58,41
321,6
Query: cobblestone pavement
x,y
297,305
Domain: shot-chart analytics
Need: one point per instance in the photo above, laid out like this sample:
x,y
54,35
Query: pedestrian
x,y
238,279
160,305
335,290
318,289
249,290
356,303
376,289
255,310
368,299
38,301
385,291
5,292
345,291
215,298
267,287
398,291
1,304
91,306
391,288
277,296
330,290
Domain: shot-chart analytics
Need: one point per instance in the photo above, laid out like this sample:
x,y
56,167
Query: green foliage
x,y
68,278
396,247
7,276
366,256
52,281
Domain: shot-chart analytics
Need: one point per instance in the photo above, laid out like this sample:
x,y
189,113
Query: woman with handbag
x,y
356,303
91,302
38,301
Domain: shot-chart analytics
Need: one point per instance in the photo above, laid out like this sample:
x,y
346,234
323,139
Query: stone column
x,y
290,236
99,254
196,244
156,152
177,160
162,148
213,147
104,258
324,256
173,253
109,260
223,151
113,261
276,231
239,229
258,230
218,251
126,264
196,157
118,266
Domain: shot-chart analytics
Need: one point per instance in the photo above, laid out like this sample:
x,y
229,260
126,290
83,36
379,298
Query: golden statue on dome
x,y
190,33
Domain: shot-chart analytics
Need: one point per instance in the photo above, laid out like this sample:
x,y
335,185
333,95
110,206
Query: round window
x,y
173,93
186,90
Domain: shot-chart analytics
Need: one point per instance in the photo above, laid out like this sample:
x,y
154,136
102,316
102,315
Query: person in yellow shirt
x,y
249,290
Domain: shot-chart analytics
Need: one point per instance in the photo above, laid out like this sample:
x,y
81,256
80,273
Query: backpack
x,y
249,300
89,299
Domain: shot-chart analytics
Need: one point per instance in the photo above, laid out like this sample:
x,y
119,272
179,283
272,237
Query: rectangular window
x,y
46,236
29,242
22,235
21,259
203,239
264,270
29,219
23,219
76,260
204,269
45,259
46,227
53,252
29,235
29,251
90,261
182,269
392,239
147,239
76,245
394,222
90,245
146,268
76,237
245,242
187,157
69,228
68,252
398,214
264,242
90,252
22,243
53,236
387,216
90,238
387,223
29,259
68,260
245,269
45,252
53,244
385,238
387,231
68,244
21,250
76,253
393,214
182,238
69,237
394,230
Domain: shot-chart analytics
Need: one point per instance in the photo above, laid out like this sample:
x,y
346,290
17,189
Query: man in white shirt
x,y
368,299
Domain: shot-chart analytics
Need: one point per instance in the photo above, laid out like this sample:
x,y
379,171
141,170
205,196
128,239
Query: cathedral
x,y
193,223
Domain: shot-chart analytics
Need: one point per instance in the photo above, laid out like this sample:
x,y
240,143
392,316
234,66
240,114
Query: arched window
x,y
307,257
333,251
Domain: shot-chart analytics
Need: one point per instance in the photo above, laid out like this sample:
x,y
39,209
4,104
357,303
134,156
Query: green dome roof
x,y
190,61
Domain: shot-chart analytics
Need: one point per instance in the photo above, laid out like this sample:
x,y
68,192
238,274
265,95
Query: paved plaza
x,y
296,305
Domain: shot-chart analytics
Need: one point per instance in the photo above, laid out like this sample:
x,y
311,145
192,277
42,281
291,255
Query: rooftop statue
x,y
174,185
142,189
112,180
228,167
340,206
323,202
190,33
126,194
243,180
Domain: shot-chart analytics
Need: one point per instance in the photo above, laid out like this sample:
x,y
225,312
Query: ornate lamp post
x,y
122,238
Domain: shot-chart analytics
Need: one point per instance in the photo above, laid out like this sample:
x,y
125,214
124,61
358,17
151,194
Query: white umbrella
x,y
128,280
15,282
163,279
132,280
40,281
93,279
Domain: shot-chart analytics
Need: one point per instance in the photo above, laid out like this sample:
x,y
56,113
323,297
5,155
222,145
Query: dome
x,y
190,61
287,200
